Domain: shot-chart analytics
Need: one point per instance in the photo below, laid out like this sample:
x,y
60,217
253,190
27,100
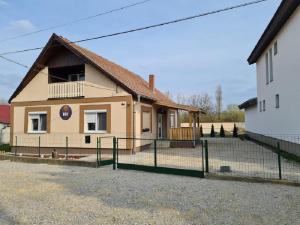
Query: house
x,y
4,124
273,115
71,92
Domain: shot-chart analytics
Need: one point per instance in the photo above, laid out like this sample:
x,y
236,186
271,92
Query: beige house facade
x,y
73,96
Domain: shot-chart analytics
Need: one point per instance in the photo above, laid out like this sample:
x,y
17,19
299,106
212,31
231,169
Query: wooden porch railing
x,y
184,133
66,89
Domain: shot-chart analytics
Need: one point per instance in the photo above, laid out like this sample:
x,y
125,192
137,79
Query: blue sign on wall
x,y
65,112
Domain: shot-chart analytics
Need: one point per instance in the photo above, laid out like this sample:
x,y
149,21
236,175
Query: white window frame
x,y
277,101
96,124
264,105
267,67
275,48
271,75
29,128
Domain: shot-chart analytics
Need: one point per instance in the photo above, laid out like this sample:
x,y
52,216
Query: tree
x,y
219,101
222,131
212,131
3,101
235,131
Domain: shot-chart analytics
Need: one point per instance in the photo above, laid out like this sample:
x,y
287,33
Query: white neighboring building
x,y
275,111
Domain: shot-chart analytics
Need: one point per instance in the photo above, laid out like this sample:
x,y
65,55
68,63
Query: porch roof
x,y
180,106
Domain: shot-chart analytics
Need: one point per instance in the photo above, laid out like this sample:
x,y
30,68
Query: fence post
x,y
16,146
67,150
202,154
206,156
114,152
97,151
155,154
39,146
279,160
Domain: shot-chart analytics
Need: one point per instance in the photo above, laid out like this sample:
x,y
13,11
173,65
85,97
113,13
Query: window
x,y
260,106
275,48
267,68
76,77
277,101
95,121
172,120
271,64
37,122
264,105
146,121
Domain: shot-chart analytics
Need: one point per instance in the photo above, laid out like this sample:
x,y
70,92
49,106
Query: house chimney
x,y
152,82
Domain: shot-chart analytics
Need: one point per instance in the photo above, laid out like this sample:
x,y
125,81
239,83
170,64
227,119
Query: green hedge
x,y
5,147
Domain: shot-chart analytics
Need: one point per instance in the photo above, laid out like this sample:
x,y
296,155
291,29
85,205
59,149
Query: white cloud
x,y
2,2
21,26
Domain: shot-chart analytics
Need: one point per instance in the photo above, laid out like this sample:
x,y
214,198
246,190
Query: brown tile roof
x,y
131,81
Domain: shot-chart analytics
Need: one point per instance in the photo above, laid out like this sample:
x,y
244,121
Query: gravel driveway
x,y
44,194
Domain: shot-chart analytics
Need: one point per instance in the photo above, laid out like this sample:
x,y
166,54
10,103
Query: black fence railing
x,y
246,157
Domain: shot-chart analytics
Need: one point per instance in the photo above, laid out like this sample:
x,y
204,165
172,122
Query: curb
x,y
48,161
251,180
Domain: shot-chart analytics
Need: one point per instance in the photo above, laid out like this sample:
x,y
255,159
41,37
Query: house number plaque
x,y
65,112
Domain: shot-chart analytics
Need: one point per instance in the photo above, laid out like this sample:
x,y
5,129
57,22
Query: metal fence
x,y
245,157
162,156
97,148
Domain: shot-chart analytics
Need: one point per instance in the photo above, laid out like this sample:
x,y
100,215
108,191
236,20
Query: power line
x,y
148,27
75,21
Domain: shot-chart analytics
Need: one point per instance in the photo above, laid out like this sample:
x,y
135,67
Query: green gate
x,y
179,157
106,151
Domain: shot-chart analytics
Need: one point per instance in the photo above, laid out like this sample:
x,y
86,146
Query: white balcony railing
x,y
66,89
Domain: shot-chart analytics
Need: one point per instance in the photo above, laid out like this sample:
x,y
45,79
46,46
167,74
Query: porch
x,y
168,123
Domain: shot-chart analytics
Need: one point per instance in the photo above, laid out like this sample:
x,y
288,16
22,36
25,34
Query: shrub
x,y
5,147
212,131
201,131
222,131
235,131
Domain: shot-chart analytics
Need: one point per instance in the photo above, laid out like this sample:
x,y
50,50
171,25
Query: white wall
x,y
286,67
4,134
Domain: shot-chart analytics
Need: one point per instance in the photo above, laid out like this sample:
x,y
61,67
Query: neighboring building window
x,y
277,101
271,64
264,105
95,121
146,121
275,48
260,106
172,120
267,68
37,122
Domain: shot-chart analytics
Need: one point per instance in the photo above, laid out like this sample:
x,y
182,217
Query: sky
x,y
191,57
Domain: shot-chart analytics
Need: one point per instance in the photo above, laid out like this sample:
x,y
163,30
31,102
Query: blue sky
x,y
191,57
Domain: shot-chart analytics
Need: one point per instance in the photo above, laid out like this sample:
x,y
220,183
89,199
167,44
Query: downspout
x,y
134,115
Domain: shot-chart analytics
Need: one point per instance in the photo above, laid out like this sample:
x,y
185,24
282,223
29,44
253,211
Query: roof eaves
x,y
282,14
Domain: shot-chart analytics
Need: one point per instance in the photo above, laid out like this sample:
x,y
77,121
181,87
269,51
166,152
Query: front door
x,y
160,125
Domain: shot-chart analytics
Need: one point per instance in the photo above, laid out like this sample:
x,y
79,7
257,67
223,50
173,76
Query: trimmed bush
x,y
222,131
212,131
5,147
201,131
235,131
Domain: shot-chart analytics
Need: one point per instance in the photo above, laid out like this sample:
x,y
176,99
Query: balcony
x,y
73,89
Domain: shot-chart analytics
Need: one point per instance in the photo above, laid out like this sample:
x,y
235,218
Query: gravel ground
x,y
44,194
